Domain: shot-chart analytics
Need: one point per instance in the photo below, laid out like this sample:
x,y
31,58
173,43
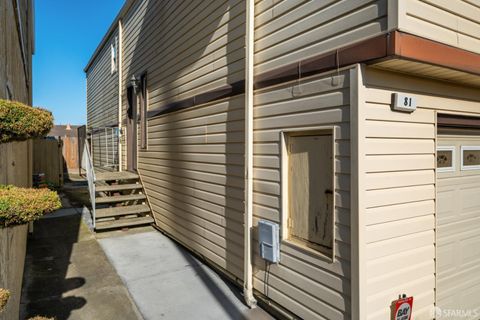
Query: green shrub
x,y
22,205
20,122
4,296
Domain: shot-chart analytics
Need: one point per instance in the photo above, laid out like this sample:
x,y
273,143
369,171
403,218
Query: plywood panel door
x,y
458,225
310,189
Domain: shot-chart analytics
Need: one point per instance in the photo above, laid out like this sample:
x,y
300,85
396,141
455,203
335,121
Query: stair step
x,y
113,176
121,211
118,187
113,199
123,223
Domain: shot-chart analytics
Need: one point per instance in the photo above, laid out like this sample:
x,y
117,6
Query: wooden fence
x,y
16,163
70,154
48,159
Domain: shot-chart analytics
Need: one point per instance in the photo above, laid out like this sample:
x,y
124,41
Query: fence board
x,y
48,159
70,154
16,163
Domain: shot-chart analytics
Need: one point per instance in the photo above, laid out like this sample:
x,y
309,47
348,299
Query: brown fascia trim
x,y
225,91
393,45
457,121
410,47
364,51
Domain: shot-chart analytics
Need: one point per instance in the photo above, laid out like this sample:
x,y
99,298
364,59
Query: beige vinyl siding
x,y
102,89
289,31
184,52
399,162
102,102
309,286
193,176
455,23
187,48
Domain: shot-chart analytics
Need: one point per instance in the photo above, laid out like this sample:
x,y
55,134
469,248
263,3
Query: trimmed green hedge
x,y
23,205
19,122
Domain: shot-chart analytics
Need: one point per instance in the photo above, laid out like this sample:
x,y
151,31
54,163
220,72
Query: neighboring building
x,y
368,208
16,50
61,130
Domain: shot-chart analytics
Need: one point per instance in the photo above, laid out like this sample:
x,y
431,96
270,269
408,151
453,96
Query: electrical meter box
x,y
269,238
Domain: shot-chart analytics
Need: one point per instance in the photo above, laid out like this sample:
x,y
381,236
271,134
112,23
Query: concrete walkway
x,y
167,282
68,276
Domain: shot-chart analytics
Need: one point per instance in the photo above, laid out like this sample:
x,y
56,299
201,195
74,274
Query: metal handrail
x,y
87,165
107,156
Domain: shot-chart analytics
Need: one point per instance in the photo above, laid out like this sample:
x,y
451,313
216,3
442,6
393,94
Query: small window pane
x,y
444,159
471,157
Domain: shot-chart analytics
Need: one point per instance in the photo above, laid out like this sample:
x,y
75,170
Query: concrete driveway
x,y
167,282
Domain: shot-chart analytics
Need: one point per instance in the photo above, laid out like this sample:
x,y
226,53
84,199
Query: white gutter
x,y
120,86
248,216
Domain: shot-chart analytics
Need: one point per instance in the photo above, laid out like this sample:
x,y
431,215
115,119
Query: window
x,y
470,157
310,190
445,159
113,54
143,111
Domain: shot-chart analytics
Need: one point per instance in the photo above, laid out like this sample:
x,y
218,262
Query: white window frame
x,y
453,149
462,149
113,56
284,232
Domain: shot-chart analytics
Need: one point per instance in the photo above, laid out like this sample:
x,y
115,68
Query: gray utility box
x,y
269,238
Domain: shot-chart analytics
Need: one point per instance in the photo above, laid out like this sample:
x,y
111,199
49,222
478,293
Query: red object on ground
x,y
403,309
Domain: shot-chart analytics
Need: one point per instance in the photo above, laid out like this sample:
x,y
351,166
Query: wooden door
x,y
131,130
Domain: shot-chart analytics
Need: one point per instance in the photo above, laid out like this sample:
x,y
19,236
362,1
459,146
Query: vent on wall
x,y
269,238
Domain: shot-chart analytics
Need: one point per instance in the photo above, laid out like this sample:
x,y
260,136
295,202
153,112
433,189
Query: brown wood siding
x,y
16,157
12,67
309,286
15,72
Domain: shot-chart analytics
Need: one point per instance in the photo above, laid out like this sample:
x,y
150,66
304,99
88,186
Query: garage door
x,y
458,225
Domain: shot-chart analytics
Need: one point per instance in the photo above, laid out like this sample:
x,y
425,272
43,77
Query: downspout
x,y
248,216
120,85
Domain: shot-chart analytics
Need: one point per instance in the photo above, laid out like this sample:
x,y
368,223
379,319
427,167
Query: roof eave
x,y
126,6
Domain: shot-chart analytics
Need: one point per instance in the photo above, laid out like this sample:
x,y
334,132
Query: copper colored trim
x,y
456,121
419,49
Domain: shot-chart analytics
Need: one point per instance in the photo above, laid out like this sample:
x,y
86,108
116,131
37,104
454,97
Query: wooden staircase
x,y
120,201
